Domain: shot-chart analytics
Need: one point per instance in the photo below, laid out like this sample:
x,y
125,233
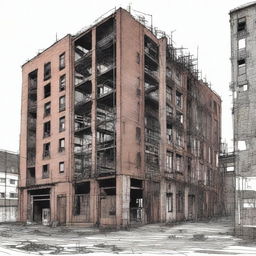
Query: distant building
x,y
118,129
243,86
9,173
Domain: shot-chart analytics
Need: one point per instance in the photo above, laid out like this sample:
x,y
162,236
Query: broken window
x,y
62,145
169,161
47,71
243,87
138,134
45,171
62,124
61,167
62,61
241,43
13,195
47,129
241,66
2,195
179,99
179,117
62,83
169,111
62,103
46,150
47,90
249,203
169,197
47,109
241,24
179,141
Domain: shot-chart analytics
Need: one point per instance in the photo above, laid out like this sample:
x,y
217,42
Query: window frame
x,y
62,61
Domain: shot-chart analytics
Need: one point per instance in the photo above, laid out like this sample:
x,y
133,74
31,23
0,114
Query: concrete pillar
x,y
94,102
94,202
162,120
186,202
123,188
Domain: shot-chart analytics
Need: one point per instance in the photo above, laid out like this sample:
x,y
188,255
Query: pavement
x,y
213,237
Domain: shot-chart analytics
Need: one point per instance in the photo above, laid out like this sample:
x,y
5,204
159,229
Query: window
x,y
46,150
13,195
47,129
169,161
45,170
179,117
169,111
12,181
47,71
47,90
169,134
179,139
138,134
2,180
179,163
138,160
230,169
168,94
47,109
241,24
62,103
249,203
241,66
2,195
179,99
241,43
62,124
241,145
179,201
61,145
243,87
169,197
61,167
62,61
62,83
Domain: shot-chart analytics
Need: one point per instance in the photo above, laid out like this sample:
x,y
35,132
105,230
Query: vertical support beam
x,y
186,202
94,205
94,103
162,119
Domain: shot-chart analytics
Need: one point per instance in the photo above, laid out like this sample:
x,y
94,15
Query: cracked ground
x,y
213,237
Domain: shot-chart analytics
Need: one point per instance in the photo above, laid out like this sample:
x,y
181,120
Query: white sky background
x,y
27,26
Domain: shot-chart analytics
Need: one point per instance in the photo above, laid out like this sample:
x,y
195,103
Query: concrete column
x,y
123,188
94,201
94,102
186,202
162,120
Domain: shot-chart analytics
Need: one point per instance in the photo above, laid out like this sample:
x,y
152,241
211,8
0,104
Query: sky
x,y
29,26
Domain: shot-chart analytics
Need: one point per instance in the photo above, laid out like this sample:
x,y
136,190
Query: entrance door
x,y
61,209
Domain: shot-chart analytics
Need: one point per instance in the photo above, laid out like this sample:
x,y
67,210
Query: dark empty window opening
x,y
47,90
241,24
47,71
241,66
46,150
47,129
62,83
47,109
82,191
136,183
62,61
138,134
107,187
45,170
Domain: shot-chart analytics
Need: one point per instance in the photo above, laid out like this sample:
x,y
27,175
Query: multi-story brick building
x,y
9,177
243,86
117,129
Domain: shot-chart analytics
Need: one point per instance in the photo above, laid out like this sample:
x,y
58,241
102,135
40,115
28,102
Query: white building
x,y
8,186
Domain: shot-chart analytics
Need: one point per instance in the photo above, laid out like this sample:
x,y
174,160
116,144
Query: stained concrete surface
x,y
213,237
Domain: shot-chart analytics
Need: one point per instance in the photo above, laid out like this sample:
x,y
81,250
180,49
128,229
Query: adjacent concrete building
x,y
117,129
9,174
243,86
